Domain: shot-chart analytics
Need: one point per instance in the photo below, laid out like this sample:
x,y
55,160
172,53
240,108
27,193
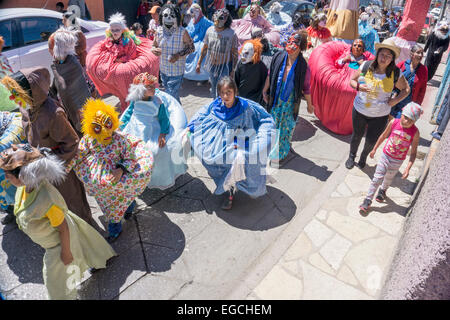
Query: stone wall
x,y
421,267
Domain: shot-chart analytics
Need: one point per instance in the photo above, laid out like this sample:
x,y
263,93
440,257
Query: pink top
x,y
399,141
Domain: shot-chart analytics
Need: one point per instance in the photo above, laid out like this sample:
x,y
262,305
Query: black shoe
x,y
361,164
93,270
350,163
9,218
381,196
364,207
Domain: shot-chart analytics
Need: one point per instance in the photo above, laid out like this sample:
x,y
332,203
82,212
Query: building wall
x,y
95,6
421,267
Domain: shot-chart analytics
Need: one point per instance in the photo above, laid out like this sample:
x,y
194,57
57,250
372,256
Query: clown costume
x,y
114,167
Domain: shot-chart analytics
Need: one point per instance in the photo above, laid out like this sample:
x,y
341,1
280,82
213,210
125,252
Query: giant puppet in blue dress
x,y
197,29
233,137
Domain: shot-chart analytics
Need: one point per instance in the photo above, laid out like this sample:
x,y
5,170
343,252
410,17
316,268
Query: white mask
x,y
195,13
169,19
247,53
322,24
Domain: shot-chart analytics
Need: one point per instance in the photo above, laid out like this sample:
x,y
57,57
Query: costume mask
x,y
254,11
220,17
195,12
117,24
147,80
100,120
293,44
357,48
169,19
322,24
247,53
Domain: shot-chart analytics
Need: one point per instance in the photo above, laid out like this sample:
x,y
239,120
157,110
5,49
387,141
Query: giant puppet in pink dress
x,y
253,20
332,64
113,63
413,19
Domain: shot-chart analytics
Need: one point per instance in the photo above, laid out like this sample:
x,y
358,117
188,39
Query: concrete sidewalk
x,y
340,254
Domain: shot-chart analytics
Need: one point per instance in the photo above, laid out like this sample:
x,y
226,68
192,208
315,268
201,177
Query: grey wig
x,y
49,168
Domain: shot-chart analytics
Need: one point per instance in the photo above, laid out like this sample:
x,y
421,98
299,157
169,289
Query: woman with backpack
x,y
375,82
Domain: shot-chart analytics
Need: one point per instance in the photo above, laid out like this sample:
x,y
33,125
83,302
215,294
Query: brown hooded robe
x,y
46,125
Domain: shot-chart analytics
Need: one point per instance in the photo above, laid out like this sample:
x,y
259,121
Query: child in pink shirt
x,y
401,134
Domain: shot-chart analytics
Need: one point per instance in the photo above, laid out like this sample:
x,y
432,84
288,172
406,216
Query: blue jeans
x,y
172,85
222,70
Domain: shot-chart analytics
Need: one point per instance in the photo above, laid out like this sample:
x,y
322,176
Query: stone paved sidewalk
x,y
341,254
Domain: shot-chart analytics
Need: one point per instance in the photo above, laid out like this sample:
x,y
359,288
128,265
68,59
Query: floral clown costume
x,y
103,154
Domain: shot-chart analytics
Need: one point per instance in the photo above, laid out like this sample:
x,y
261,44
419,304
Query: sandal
x,y
228,201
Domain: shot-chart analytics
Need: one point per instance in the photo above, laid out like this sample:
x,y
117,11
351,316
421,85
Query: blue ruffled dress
x,y
145,120
368,35
218,133
197,32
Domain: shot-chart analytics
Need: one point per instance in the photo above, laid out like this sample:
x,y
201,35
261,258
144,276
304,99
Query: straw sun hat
x,y
388,44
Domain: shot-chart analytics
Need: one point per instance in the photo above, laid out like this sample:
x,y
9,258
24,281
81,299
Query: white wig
x,y
49,168
437,29
65,42
118,19
276,7
136,92
321,16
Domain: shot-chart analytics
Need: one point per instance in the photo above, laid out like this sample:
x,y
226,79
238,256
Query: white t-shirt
x,y
374,103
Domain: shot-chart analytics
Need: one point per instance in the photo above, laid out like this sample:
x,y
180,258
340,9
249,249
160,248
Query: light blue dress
x,y
218,133
368,35
145,120
197,32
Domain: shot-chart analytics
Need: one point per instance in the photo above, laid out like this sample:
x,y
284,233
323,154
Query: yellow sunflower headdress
x,y
99,121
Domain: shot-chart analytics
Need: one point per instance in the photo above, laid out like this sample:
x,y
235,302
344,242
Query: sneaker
x,y
350,163
381,196
114,230
228,201
364,207
436,135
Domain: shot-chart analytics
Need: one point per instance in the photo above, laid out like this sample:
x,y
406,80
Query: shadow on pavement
x,y
303,130
434,83
21,260
258,214
340,137
297,163
390,207
424,142
150,243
